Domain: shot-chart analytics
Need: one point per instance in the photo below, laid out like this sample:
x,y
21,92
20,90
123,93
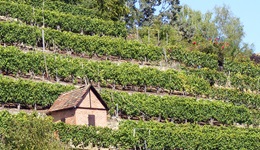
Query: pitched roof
x,y
72,99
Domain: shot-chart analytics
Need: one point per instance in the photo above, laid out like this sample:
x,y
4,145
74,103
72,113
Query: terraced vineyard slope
x,y
210,101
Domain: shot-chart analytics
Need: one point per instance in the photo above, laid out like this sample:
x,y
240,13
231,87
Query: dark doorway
x,y
63,120
91,120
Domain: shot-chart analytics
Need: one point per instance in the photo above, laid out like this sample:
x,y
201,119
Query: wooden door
x,y
91,120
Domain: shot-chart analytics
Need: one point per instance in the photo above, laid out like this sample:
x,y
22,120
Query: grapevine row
x,y
59,6
154,135
196,58
130,134
28,92
236,80
66,68
136,105
175,108
79,44
66,22
107,46
241,82
192,58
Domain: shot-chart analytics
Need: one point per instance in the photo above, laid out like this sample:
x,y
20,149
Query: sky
x,y
248,11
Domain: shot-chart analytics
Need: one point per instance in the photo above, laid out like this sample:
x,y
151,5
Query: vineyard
x,y
130,135
64,22
124,75
197,105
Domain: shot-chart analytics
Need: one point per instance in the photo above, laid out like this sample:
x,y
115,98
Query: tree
x,y
185,22
229,29
142,12
170,11
23,131
108,9
113,9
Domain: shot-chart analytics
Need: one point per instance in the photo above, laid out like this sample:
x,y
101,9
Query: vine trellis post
x,y
19,107
257,86
43,42
99,76
148,35
84,77
33,16
167,39
117,110
54,47
158,38
149,132
137,34
165,54
56,71
228,83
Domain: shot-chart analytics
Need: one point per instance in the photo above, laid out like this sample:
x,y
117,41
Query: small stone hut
x,y
83,106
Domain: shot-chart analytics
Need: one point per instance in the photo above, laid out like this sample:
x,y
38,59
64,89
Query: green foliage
x,y
237,80
187,136
229,27
163,136
119,47
101,137
245,68
218,24
176,108
60,6
123,74
236,97
105,9
112,9
159,34
212,76
193,58
66,22
142,12
23,131
78,43
31,132
65,67
28,92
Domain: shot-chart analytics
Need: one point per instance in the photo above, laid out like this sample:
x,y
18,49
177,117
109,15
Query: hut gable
x,y
79,98
91,101
83,106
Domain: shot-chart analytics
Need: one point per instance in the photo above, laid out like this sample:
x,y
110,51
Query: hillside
x,y
174,87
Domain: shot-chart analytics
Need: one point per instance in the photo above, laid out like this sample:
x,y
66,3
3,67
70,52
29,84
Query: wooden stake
x,y
167,39
19,106
158,38
149,36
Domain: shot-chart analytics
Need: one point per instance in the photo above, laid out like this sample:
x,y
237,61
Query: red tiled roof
x,y
73,98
